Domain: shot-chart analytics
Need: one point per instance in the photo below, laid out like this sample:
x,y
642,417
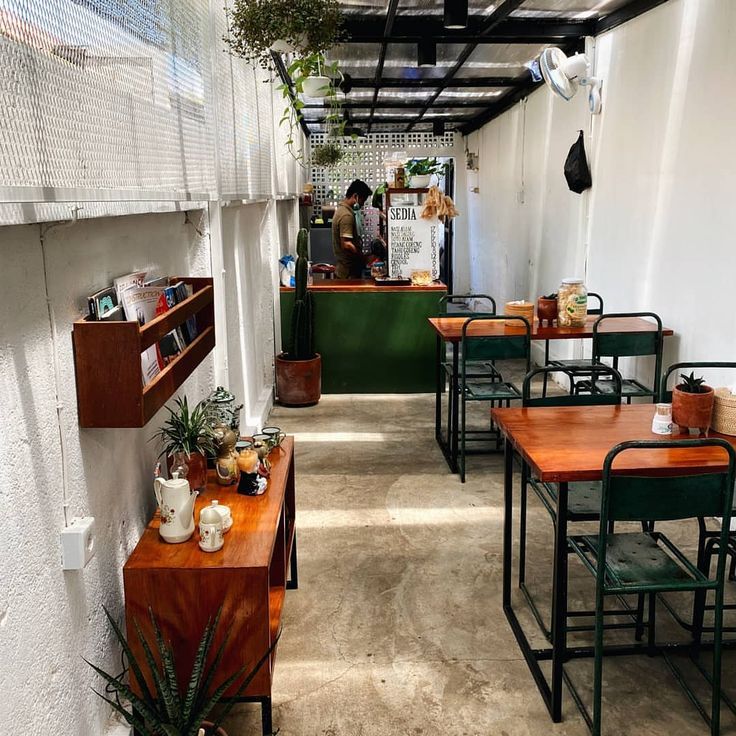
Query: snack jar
x,y
572,303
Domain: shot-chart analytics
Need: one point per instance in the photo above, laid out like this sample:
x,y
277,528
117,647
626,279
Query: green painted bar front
x,y
372,341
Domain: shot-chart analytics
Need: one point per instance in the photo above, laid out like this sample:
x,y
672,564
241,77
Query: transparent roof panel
x,y
500,60
356,59
435,7
401,61
364,7
567,9
468,94
392,94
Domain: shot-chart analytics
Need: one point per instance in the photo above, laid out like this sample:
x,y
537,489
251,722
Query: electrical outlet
x,y
78,543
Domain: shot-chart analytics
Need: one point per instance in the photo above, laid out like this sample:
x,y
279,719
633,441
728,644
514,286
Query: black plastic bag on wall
x,y
577,172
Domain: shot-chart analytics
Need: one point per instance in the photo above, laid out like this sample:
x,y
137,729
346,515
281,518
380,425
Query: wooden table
x,y
185,586
565,444
449,330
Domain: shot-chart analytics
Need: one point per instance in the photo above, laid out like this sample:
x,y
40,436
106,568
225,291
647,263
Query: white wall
x,y
655,231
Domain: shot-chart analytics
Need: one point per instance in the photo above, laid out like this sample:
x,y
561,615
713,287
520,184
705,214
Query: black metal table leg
x,y
455,400
559,604
438,390
293,582
266,716
508,499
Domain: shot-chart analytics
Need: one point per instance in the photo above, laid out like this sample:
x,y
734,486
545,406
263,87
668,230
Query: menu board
x,y
413,243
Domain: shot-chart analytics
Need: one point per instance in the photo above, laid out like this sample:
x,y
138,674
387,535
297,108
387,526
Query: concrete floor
x,y
397,626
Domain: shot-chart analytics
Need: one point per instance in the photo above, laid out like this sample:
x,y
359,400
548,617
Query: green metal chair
x,y
584,497
474,349
578,363
648,562
708,538
616,345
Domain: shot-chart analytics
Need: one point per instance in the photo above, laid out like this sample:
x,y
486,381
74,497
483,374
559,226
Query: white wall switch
x,y
78,543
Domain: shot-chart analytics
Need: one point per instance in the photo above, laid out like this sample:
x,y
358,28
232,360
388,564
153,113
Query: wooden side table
x,y
248,577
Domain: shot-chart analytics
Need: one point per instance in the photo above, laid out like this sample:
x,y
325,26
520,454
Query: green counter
x,y
372,339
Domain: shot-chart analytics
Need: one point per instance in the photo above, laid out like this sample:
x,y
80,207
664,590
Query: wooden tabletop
x,y
570,443
450,328
249,543
365,285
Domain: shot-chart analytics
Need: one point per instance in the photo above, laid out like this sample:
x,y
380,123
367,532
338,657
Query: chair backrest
x,y
666,394
591,372
629,344
597,309
629,496
500,346
448,301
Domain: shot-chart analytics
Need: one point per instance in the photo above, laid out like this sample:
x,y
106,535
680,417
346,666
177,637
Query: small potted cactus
x,y
299,368
692,403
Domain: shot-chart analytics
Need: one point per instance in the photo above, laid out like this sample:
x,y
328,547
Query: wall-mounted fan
x,y
564,74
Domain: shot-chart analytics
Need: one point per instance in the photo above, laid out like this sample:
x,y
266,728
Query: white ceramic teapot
x,y
176,502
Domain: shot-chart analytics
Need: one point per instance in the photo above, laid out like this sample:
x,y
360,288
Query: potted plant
x,y
420,170
547,308
328,154
299,369
188,437
256,27
692,403
164,709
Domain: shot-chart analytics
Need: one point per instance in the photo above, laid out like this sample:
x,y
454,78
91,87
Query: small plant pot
x,y
316,87
692,410
420,181
197,475
547,310
207,726
298,382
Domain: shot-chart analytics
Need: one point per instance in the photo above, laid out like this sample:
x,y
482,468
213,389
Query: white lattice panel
x,y
366,156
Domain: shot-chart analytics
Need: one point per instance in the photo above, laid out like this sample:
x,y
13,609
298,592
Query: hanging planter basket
x,y
316,87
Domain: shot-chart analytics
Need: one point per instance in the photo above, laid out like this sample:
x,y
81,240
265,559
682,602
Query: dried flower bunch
x,y
327,155
438,205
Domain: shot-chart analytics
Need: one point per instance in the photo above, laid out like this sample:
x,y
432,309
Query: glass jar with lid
x,y
572,303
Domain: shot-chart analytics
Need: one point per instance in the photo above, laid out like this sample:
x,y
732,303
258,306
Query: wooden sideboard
x,y
248,577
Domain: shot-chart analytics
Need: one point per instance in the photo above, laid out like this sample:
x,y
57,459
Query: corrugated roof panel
x,y
364,7
401,61
567,9
434,7
488,60
466,94
398,93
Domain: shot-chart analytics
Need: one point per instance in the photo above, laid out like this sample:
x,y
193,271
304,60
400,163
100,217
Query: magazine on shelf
x,y
183,292
130,280
172,300
143,303
102,302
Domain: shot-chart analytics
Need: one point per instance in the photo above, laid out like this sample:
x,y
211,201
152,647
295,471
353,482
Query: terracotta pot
x,y
207,726
692,410
197,475
298,382
546,310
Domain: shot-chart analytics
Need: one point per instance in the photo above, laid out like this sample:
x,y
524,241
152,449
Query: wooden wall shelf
x,y
248,577
107,361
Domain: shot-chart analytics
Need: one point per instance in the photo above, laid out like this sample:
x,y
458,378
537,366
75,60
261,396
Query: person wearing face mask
x,y
346,243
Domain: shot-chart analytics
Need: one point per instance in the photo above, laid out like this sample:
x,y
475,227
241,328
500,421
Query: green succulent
x,y
692,385
167,711
187,431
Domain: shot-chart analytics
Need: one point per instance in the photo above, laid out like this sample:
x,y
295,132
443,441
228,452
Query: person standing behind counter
x,y
346,243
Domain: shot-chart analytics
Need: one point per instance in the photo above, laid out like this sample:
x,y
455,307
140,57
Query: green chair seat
x,y
629,387
583,498
638,560
491,391
476,369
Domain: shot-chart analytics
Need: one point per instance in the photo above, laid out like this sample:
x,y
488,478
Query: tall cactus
x,y
302,328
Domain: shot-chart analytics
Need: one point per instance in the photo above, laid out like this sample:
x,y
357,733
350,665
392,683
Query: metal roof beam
x,y
387,30
409,29
399,104
286,79
364,82
624,14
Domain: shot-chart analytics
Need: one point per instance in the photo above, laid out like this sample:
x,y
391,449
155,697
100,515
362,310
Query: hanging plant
x,y
311,74
307,26
328,154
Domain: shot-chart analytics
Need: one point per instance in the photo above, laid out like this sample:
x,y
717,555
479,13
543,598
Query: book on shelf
x,y
102,302
116,314
172,300
184,291
122,283
142,304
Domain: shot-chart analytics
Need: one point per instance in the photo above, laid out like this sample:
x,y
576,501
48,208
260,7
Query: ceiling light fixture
x,y
426,53
438,128
456,14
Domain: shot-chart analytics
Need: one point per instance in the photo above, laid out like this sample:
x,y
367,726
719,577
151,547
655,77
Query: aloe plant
x,y
302,327
692,385
167,711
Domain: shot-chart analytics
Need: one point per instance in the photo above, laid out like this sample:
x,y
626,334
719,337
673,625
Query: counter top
x,y
367,285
